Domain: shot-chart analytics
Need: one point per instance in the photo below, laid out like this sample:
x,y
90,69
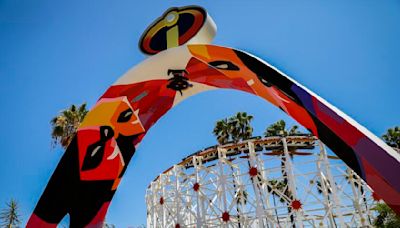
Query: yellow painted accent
x,y
173,37
152,32
199,50
100,115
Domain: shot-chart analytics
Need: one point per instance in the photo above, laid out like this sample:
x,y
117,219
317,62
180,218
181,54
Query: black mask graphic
x,y
95,152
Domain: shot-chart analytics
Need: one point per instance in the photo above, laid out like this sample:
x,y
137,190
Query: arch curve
x,y
88,174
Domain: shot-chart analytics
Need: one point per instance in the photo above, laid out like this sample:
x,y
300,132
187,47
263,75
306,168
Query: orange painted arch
x,y
86,178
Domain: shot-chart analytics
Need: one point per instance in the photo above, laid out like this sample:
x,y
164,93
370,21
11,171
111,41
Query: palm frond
x,y
65,125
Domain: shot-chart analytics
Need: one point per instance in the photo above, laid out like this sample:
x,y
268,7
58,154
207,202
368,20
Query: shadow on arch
x,y
88,174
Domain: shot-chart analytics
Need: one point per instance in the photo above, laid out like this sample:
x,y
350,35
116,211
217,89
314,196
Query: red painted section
x,y
152,98
108,169
202,73
97,221
377,183
298,113
347,132
36,222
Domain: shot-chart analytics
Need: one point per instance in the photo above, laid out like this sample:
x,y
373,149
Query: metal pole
x,y
356,198
291,179
222,179
200,207
325,191
334,189
161,182
264,186
177,195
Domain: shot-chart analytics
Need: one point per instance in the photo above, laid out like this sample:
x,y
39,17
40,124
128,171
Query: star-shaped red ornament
x,y
253,171
296,204
225,216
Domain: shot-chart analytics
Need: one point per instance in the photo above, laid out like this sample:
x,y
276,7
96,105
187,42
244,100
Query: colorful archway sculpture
x,y
88,174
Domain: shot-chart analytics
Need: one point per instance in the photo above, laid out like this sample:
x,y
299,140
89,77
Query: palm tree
x,y
319,186
274,186
392,137
65,125
386,218
235,128
9,216
241,128
279,129
222,131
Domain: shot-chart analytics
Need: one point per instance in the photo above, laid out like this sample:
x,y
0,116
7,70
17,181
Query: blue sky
x,y
57,53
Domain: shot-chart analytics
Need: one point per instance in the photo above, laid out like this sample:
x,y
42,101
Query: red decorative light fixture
x,y
296,204
196,187
253,171
225,216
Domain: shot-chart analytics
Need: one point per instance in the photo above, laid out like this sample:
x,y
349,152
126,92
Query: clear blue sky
x,y
57,53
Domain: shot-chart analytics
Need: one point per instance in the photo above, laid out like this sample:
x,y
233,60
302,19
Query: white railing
x,y
262,182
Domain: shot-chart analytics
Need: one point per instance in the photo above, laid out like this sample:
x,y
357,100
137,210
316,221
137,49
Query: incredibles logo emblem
x,y
175,27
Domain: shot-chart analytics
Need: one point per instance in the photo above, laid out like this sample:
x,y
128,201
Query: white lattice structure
x,y
268,182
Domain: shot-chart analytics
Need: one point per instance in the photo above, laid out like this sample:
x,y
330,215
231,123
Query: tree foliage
x,y
235,128
65,125
279,129
9,216
392,137
241,126
386,218
222,131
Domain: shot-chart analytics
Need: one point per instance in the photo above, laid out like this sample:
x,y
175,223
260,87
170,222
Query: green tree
x,y
65,125
9,216
235,128
274,186
328,191
279,129
241,128
386,218
222,131
392,137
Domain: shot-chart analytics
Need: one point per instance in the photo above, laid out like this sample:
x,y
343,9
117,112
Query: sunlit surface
x,y
262,182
